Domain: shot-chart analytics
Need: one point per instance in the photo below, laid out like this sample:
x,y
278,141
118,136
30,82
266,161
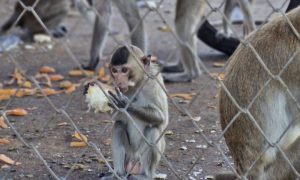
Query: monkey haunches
x,y
273,116
136,143
51,14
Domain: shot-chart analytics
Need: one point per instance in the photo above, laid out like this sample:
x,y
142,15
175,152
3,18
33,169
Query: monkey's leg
x,y
280,168
119,145
8,24
249,25
188,17
151,157
129,11
229,5
100,33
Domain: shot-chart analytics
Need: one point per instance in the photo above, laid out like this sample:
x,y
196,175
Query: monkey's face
x,y
121,75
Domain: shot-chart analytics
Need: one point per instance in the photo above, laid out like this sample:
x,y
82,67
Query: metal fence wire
x,y
59,110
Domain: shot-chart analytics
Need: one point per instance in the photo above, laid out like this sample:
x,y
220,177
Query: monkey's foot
x,y
177,77
109,177
173,69
92,64
225,175
59,32
137,177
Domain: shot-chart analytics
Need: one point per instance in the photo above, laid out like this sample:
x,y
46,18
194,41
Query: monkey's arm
x,y
150,114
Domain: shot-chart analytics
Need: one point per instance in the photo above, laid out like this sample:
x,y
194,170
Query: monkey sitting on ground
x,y
50,12
274,109
148,109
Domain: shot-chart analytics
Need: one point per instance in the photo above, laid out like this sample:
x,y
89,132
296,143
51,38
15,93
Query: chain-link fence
x,y
39,142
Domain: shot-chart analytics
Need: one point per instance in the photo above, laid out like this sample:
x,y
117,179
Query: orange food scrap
x,y
2,123
8,91
25,84
4,97
46,69
49,92
17,112
25,92
7,160
101,72
65,84
78,144
107,141
186,96
218,64
4,141
80,137
56,77
105,79
75,73
70,89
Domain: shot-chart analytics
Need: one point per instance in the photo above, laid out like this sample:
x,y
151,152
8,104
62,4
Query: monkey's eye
x,y
114,70
124,70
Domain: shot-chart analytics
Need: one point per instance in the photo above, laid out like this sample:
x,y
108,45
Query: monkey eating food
x,y
147,107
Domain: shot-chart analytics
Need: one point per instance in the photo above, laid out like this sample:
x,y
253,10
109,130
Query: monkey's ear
x,y
146,60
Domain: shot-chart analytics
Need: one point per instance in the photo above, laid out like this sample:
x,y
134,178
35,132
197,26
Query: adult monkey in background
x,y
187,20
102,19
148,109
274,110
50,12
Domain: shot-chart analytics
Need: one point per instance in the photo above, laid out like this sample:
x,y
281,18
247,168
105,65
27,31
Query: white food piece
x,y
183,148
41,38
97,100
160,176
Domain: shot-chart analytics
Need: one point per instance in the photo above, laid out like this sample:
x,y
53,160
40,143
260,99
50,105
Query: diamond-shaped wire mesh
x,y
195,148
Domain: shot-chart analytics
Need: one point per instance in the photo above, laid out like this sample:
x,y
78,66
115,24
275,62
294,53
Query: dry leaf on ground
x,y
16,76
17,112
2,123
7,160
4,141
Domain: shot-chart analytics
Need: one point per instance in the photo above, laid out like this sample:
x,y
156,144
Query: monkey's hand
x,y
120,100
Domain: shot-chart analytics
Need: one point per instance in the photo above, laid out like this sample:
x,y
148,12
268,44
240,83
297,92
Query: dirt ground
x,y
40,128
